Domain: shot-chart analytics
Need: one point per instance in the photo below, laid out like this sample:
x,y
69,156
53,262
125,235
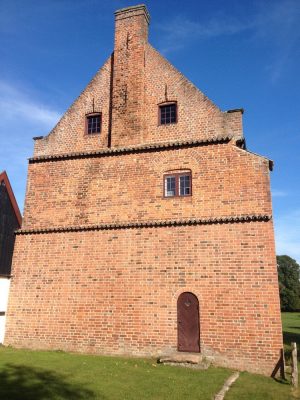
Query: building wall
x,y
115,292
4,290
226,181
69,133
8,224
127,90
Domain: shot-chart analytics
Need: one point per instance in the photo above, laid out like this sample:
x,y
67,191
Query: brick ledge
x,y
148,224
131,149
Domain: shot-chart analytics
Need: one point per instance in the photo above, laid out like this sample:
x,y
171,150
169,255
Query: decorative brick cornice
x,y
114,151
127,12
148,224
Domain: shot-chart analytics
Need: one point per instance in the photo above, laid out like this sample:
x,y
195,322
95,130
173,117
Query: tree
x,y
289,283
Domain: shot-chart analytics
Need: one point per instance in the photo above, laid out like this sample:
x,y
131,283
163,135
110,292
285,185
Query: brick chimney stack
x,y
131,38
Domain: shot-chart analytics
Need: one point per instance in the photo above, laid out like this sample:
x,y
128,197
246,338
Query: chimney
x,y
131,26
128,88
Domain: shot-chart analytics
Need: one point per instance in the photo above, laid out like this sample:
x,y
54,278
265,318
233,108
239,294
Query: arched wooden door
x,y
188,323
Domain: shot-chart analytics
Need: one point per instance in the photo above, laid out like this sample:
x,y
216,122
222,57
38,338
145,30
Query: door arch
x,y
188,326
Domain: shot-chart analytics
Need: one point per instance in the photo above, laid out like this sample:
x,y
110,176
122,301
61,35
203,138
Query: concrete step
x,y
184,358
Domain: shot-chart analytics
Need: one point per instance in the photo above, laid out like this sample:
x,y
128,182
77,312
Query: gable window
x,y
178,184
93,123
168,114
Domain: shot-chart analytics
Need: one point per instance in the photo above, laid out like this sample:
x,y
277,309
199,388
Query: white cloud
x,y
22,117
287,234
279,193
275,25
16,104
179,30
278,25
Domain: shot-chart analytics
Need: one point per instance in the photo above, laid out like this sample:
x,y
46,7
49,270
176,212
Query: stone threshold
x,y
183,359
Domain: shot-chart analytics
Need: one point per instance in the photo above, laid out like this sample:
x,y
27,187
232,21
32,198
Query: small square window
x,y
168,114
178,184
93,123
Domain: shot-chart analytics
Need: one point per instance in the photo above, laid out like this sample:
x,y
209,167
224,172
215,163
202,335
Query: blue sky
x,y
239,53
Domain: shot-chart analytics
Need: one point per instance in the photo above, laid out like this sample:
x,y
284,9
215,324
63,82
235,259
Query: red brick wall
x,y
226,180
69,133
128,100
128,107
115,292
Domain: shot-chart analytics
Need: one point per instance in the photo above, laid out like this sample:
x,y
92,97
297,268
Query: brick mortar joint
x,y
150,224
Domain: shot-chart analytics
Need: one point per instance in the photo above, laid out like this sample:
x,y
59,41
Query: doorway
x,y
188,326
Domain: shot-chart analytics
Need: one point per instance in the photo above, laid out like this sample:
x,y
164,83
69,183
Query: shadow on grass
x,y
20,382
288,338
282,381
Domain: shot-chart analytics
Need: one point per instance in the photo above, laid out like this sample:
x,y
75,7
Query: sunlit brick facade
x,y
105,249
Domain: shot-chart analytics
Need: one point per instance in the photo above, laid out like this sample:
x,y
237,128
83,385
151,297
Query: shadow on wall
x,y
20,382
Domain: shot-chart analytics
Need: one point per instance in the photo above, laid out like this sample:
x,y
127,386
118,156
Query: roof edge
x,y
271,162
4,178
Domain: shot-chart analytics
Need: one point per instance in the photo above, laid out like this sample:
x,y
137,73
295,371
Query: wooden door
x,y
188,323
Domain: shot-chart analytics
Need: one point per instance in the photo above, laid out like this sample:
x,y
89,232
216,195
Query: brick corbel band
x,y
148,224
132,149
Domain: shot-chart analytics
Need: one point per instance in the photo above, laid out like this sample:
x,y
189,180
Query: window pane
x,y
184,185
170,188
168,114
94,124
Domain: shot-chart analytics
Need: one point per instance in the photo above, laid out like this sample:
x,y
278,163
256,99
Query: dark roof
x,y
4,178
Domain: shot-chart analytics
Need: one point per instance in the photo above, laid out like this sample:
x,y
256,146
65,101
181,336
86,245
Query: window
x,y
168,114
178,184
93,123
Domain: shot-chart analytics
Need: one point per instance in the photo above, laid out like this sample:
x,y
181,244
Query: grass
x,y
28,375
291,332
41,375
254,387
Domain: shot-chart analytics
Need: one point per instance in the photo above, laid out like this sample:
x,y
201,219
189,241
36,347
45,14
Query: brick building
x,y
148,225
10,220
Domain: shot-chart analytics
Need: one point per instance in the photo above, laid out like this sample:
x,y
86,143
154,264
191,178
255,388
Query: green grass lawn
x,y
32,375
291,332
252,387
38,375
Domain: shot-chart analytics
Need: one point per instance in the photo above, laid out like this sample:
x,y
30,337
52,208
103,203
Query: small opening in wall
x,y
168,114
178,183
93,123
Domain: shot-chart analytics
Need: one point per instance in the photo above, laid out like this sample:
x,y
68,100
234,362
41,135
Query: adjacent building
x,y
10,220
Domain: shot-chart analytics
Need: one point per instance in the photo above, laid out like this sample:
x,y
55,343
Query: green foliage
x,y
289,283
